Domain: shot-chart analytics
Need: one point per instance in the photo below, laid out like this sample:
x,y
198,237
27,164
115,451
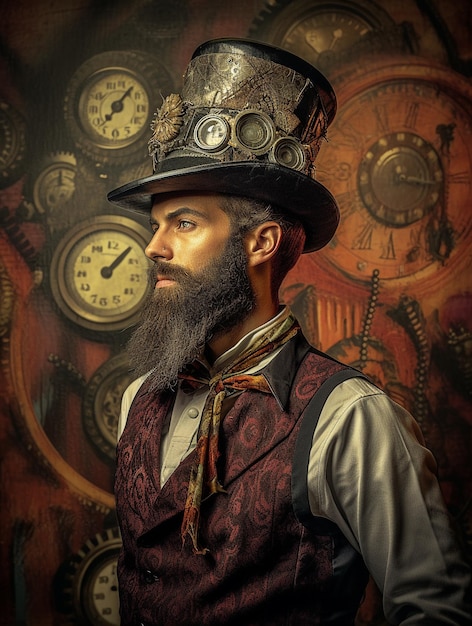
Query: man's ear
x,y
262,243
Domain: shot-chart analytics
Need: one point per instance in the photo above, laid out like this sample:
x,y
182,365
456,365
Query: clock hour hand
x,y
117,105
107,271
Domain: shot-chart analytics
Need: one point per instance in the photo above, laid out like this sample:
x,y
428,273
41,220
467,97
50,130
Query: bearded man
x,y
260,482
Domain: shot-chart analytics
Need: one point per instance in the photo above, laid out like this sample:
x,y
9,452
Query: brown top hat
x,y
249,122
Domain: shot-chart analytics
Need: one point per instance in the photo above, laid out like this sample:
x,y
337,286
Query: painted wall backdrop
x,y
80,81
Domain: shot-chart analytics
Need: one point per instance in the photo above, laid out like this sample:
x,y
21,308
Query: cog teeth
x,y
74,573
60,157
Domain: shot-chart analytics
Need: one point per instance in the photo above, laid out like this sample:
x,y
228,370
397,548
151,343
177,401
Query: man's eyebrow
x,y
177,213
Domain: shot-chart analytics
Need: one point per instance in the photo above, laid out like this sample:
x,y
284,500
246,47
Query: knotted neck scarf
x,y
203,476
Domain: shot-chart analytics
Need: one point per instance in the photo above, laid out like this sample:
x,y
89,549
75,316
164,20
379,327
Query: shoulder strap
x,y
301,504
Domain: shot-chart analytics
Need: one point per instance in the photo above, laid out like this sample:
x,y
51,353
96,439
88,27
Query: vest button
x,y
150,577
192,412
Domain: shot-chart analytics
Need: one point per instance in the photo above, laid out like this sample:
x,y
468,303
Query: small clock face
x,y
102,603
102,403
397,161
400,179
55,185
114,108
110,102
90,584
99,273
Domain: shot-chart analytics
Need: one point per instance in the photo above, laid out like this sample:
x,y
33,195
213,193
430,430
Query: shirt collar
x,y
246,341
279,369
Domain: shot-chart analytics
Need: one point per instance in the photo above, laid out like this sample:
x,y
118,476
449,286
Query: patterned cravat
x,y
203,476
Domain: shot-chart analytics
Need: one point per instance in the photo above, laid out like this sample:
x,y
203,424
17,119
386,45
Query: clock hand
x,y
117,105
107,271
337,34
415,180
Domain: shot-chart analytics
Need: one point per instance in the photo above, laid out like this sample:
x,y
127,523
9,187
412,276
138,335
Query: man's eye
x,y
185,224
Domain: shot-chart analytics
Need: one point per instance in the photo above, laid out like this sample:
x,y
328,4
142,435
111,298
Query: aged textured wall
x,y
391,294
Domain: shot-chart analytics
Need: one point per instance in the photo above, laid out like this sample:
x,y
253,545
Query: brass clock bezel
x,y
99,316
123,111
99,414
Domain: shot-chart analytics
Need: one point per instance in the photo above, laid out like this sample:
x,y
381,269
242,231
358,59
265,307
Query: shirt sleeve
x,y
370,473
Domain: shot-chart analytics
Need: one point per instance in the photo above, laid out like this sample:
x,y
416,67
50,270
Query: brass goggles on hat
x,y
249,131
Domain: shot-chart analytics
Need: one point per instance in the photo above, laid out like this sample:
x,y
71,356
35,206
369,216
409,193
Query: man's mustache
x,y
192,283
170,271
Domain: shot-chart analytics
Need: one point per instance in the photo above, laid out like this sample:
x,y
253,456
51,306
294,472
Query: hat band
x,y
228,135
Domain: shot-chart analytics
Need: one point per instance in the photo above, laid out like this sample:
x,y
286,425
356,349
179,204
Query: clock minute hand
x,y
415,180
107,271
117,105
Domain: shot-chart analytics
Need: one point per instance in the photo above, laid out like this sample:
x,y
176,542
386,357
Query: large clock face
x,y
397,161
99,273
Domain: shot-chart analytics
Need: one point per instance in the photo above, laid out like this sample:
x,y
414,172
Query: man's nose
x,y
158,248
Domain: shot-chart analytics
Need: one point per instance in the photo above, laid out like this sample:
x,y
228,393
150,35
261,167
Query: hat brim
x,y
290,190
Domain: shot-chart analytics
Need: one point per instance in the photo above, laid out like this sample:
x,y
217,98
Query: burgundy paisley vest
x,y
264,566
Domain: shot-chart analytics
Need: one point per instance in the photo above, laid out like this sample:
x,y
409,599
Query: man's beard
x,y
178,321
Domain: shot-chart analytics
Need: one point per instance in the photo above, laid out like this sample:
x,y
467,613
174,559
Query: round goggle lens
x,y
212,133
254,131
289,153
